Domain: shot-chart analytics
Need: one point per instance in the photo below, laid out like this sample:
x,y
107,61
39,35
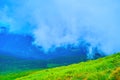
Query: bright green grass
x,y
107,68
15,74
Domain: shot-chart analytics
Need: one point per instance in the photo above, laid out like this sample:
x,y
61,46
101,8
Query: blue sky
x,y
61,22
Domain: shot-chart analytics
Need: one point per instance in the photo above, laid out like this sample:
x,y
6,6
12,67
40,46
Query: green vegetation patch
x,y
107,68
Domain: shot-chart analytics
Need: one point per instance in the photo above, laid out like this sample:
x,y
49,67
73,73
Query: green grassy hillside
x,y
107,68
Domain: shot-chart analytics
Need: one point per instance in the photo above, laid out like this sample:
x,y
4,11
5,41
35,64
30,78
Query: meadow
x,y
107,68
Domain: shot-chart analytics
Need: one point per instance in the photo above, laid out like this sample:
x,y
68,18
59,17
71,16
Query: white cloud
x,y
58,22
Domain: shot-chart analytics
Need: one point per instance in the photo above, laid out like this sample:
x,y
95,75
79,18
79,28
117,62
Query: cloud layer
x,y
56,23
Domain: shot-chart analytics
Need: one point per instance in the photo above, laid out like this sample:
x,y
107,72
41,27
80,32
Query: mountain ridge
x,y
107,68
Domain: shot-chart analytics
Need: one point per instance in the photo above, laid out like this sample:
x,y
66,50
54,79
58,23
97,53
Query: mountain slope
x,y
100,69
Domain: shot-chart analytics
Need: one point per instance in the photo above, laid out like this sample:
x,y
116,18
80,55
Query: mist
x,y
55,23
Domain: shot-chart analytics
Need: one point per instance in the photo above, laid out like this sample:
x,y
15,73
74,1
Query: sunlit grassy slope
x,y
107,68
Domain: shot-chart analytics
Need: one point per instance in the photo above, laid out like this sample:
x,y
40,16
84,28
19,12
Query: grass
x,y
107,68
13,75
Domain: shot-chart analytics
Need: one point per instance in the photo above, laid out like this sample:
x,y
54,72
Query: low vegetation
x,y
107,68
